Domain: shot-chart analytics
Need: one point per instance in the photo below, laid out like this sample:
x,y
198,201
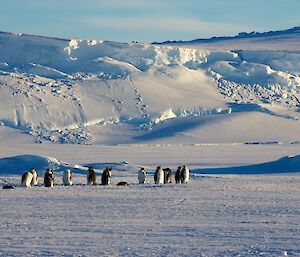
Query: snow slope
x,y
284,40
287,164
99,92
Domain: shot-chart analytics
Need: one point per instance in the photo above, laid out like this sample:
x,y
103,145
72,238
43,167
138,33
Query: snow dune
x,y
283,165
17,165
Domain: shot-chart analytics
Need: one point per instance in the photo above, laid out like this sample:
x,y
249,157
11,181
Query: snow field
x,y
211,216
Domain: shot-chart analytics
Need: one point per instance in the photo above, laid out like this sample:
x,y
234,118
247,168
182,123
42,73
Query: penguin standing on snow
x,y
106,176
67,178
26,179
49,178
185,175
168,176
142,175
178,175
91,177
34,181
159,176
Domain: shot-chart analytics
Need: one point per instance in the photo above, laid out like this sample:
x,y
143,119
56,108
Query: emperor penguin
x,y
67,178
26,179
106,176
185,175
49,178
168,176
91,177
142,175
159,175
34,181
178,175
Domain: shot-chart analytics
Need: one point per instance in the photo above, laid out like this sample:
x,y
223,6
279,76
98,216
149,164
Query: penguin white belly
x,y
160,177
109,178
186,176
67,178
26,181
34,178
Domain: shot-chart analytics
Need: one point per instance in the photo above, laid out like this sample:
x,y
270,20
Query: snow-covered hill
x,y
282,40
98,92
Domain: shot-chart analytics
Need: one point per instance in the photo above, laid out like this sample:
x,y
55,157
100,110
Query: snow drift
x,y
286,164
17,165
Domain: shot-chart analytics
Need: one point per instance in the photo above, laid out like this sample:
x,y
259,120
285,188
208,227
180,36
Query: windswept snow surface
x,y
100,92
213,215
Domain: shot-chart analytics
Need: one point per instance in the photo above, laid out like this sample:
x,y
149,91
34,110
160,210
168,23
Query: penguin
x,y
7,187
26,179
67,178
159,175
142,175
185,175
91,176
34,181
106,176
155,174
178,175
123,183
168,176
49,178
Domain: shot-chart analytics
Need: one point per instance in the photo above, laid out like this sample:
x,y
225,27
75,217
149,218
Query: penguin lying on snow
x,y
7,187
123,183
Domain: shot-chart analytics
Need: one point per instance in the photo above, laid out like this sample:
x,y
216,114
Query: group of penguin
x,y
30,178
165,176
161,176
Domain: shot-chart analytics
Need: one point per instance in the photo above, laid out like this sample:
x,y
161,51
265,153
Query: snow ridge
x,y
92,91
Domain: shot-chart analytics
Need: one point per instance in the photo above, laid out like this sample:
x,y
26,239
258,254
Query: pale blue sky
x,y
142,20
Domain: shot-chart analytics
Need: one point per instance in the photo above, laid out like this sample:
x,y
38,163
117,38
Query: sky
x,y
144,20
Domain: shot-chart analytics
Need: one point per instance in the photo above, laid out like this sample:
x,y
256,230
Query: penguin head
x,y
32,171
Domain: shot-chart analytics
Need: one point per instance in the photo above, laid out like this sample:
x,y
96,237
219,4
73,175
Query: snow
x,y
169,114
226,108
286,40
101,92
212,215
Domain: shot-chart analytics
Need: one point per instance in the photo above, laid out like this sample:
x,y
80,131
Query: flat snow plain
x,y
213,215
